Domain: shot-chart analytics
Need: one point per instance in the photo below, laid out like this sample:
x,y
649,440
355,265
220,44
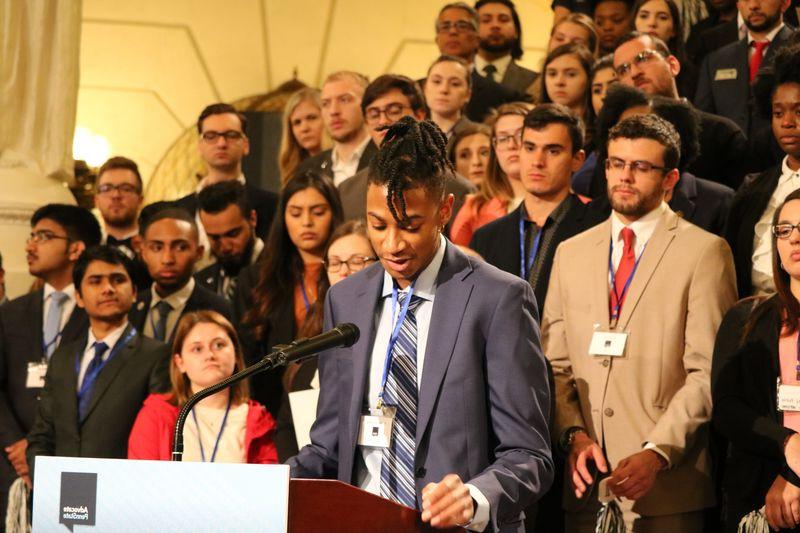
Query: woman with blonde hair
x,y
303,133
227,427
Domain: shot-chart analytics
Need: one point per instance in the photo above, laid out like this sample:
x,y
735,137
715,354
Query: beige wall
x,y
148,67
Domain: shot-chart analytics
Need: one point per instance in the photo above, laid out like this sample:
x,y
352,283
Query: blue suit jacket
x,y
484,399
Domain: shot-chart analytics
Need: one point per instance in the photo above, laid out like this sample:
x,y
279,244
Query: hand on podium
x,y
447,503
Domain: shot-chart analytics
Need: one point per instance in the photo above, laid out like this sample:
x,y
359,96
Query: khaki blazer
x,y
659,390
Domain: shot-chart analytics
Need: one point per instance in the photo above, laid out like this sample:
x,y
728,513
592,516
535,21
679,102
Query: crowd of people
x,y
551,267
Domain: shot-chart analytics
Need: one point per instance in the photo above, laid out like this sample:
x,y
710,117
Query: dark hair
x,y
619,98
628,3
217,197
651,127
79,223
220,109
586,59
124,163
104,253
686,122
453,59
607,61
165,211
543,115
516,49
413,154
388,82
659,45
462,131
675,45
785,68
283,266
473,14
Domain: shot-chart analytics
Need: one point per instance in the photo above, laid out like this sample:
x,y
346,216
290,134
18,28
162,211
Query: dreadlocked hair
x,y
413,154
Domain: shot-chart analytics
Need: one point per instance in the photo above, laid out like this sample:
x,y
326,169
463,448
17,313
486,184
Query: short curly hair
x,y
651,127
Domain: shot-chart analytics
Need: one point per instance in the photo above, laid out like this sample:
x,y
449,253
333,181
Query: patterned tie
x,y
89,379
489,71
161,310
52,324
626,265
397,466
758,56
230,290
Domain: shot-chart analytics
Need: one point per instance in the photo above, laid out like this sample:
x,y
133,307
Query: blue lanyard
x,y
219,435
117,347
303,290
526,265
46,345
620,297
395,334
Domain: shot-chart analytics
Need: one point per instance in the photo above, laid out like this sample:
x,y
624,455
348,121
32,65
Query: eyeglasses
x,y
393,112
123,188
460,26
504,141
784,231
642,57
354,263
230,135
638,168
42,236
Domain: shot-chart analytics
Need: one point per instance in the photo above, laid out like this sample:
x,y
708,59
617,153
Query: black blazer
x,y
747,207
322,163
139,368
743,379
210,277
702,202
264,203
709,35
200,299
718,136
21,343
498,241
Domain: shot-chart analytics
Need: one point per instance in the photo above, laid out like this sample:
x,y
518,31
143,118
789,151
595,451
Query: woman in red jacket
x,y
227,427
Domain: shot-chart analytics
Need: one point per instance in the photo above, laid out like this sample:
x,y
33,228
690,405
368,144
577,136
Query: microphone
x,y
342,335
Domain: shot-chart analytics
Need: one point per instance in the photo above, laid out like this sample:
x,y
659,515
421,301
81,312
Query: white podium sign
x,y
119,495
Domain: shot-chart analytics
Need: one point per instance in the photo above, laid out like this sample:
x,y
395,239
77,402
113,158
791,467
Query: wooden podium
x,y
335,507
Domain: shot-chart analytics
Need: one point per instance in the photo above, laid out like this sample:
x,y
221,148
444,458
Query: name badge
x,y
375,429
788,398
36,373
608,343
725,74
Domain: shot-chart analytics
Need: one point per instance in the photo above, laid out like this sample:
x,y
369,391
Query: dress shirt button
x,y
609,411
421,472
606,362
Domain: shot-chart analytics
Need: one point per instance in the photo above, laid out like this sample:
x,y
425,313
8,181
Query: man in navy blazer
x,y
478,439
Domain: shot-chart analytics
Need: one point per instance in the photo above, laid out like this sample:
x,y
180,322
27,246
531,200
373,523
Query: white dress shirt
x,y
761,273
66,307
769,38
368,474
111,340
346,168
501,64
177,300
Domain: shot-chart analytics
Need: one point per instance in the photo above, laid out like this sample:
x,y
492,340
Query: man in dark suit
x,y
645,62
727,73
229,223
223,144
499,46
552,149
96,384
344,121
386,100
170,250
469,444
35,324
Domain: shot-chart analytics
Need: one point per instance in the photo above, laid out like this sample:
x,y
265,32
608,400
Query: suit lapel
x,y
598,266
449,305
111,369
650,259
78,323
138,313
74,353
36,323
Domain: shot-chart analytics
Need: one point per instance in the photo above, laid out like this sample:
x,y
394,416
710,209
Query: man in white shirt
x,y
35,324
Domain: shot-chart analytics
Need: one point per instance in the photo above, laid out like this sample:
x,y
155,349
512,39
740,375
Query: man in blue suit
x,y
442,404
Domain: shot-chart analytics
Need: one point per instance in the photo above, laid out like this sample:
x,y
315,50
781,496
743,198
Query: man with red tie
x,y
629,324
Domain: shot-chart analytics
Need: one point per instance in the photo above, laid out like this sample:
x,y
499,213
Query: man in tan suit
x,y
629,324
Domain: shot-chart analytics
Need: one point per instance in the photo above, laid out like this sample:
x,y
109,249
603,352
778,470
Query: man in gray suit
x,y
466,441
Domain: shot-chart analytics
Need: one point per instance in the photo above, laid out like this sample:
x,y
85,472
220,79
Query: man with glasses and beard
x,y
229,222
499,46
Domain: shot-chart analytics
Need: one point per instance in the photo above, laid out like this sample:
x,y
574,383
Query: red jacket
x,y
152,433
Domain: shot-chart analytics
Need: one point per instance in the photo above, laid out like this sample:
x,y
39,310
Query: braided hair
x,y
413,154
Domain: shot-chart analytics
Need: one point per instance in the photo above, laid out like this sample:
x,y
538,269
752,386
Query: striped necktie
x,y
397,466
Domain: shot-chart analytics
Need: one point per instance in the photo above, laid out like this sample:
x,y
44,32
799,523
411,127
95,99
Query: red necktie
x,y
626,265
758,55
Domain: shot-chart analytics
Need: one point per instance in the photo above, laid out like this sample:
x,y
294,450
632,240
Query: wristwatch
x,y
565,442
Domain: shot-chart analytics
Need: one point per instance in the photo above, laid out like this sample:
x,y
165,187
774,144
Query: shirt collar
x,y
556,215
176,300
258,247
69,290
501,64
111,339
786,172
355,156
643,227
770,36
130,235
425,285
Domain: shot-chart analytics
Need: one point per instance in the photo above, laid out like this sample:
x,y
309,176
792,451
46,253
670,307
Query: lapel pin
x,y
140,306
